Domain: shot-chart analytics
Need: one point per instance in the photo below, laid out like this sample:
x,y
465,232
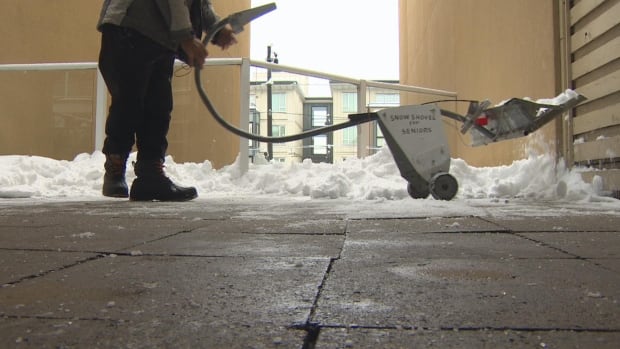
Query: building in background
x,y
295,109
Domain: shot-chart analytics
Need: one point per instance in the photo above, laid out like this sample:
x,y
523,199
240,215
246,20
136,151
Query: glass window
x,y
278,102
349,102
278,130
380,140
349,136
319,116
319,145
387,98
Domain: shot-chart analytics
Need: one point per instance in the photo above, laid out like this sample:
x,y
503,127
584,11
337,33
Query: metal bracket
x,y
474,111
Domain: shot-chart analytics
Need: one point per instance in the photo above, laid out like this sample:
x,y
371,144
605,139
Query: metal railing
x,y
101,94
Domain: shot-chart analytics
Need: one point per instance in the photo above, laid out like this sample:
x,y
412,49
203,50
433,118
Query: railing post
x,y
244,113
363,130
565,125
101,106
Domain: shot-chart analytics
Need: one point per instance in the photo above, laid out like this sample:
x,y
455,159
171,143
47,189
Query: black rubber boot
x,y
114,184
151,184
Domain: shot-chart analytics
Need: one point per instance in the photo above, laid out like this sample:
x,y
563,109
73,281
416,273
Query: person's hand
x,y
196,52
225,38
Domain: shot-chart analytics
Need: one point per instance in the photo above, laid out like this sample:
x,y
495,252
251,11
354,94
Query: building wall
x,y
295,88
52,113
48,113
592,45
482,49
341,150
291,119
373,103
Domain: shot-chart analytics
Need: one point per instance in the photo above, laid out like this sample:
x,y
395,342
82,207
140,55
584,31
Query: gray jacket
x,y
166,22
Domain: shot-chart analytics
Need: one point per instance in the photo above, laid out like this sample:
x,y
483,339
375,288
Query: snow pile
x,y
375,177
358,179
560,99
537,177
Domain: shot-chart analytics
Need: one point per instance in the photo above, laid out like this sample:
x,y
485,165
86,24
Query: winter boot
x,y
114,184
151,184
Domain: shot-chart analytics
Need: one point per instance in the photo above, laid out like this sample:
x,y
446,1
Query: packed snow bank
x,y
376,177
562,98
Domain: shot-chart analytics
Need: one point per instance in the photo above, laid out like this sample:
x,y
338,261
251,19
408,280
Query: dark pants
x,y
138,74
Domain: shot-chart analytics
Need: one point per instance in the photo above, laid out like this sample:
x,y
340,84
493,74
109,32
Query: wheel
x,y
443,186
417,190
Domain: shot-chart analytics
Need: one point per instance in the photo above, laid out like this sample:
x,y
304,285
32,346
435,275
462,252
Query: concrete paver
x,y
583,244
227,243
96,333
484,338
77,231
463,294
175,296
362,246
425,225
563,223
609,264
17,265
231,273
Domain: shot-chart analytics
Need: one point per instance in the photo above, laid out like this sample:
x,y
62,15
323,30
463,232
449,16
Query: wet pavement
x,y
233,273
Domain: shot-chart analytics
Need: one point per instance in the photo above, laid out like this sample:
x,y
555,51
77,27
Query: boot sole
x,y
153,198
116,196
135,195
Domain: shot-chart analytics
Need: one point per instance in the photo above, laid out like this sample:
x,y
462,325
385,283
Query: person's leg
x,y
151,182
124,65
151,134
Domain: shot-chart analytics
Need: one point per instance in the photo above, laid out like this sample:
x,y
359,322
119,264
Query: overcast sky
x,y
355,38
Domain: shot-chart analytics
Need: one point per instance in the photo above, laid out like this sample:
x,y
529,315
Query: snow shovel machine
x,y
415,133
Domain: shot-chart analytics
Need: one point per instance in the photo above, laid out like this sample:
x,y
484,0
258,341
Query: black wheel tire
x,y
418,191
443,186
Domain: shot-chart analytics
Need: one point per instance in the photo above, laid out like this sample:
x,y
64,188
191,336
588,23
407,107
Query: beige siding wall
x,y
482,49
48,113
594,70
341,150
52,113
291,119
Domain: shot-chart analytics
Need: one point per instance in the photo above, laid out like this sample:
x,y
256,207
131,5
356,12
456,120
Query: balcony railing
x,y
244,64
